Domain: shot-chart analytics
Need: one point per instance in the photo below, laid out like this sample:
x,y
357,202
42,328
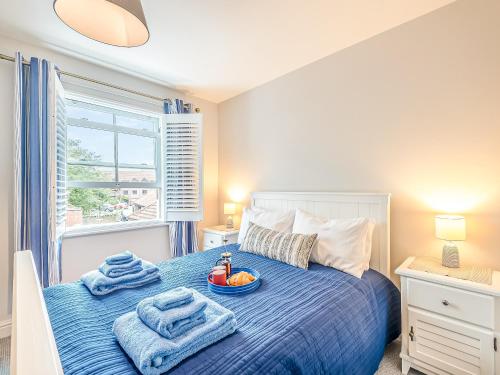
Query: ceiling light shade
x,y
116,22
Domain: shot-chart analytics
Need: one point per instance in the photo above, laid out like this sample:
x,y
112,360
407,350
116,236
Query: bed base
x,y
33,347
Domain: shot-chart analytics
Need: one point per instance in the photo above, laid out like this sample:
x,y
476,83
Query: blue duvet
x,y
316,321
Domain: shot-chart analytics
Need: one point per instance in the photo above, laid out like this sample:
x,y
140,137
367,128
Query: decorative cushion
x,y
291,248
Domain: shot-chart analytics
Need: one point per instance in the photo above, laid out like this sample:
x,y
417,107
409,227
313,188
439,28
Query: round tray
x,y
236,290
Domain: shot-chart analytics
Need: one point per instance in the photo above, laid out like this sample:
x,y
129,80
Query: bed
x,y
315,321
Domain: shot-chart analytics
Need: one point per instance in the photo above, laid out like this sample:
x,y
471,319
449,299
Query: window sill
x,y
91,230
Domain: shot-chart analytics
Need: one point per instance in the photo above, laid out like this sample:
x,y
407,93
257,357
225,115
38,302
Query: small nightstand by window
x,y
218,236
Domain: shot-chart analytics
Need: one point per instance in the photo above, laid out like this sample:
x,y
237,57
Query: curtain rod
x,y
77,76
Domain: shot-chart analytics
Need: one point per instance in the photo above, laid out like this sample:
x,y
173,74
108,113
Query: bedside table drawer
x,y
211,240
455,303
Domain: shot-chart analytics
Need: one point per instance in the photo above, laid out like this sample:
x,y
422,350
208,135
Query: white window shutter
x,y
58,155
182,167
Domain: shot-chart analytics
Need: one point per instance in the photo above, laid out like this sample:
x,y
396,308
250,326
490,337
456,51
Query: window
x,y
112,153
116,164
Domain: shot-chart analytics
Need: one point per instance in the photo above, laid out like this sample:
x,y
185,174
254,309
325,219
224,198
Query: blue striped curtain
x,y
183,236
33,87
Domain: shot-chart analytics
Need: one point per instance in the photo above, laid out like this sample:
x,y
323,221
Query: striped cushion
x,y
292,248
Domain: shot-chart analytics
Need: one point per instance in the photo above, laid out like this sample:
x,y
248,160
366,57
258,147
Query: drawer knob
x,y
445,302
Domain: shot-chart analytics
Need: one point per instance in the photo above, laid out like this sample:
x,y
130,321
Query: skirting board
x,y
5,328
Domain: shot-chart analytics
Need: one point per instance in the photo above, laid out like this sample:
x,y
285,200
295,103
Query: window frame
x,y
116,130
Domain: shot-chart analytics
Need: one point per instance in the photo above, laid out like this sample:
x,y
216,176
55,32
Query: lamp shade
x,y
116,22
450,227
229,208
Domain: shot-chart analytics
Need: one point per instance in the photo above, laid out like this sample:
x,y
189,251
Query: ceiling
x,y
216,49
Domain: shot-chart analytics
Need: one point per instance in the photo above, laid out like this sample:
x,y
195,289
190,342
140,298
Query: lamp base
x,y
451,257
229,222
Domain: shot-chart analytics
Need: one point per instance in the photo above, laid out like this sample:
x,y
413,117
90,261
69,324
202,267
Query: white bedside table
x,y
215,236
449,325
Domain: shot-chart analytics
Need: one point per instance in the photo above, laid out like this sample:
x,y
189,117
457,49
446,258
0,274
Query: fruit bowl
x,y
235,290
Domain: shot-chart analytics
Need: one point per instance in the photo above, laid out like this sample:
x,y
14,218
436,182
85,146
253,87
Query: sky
x,y
131,149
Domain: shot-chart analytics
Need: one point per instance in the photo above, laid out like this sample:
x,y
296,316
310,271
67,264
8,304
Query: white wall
x,y
81,254
84,253
6,188
413,111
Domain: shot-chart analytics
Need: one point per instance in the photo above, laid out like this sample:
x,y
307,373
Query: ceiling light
x,y
116,22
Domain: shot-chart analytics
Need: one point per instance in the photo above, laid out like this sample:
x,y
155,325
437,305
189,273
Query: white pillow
x,y
281,221
368,243
341,244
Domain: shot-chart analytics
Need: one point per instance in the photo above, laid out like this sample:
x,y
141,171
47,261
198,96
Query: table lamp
x,y
450,228
229,209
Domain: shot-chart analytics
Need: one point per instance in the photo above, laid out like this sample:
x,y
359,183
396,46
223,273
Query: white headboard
x,y
341,206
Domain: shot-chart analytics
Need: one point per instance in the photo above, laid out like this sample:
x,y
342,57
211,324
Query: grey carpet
x,y
390,365
4,356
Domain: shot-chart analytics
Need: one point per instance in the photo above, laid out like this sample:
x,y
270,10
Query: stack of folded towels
x,y
171,326
120,271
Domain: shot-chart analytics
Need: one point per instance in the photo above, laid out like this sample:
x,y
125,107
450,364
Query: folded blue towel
x,y
120,258
173,298
117,270
174,321
99,284
154,354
